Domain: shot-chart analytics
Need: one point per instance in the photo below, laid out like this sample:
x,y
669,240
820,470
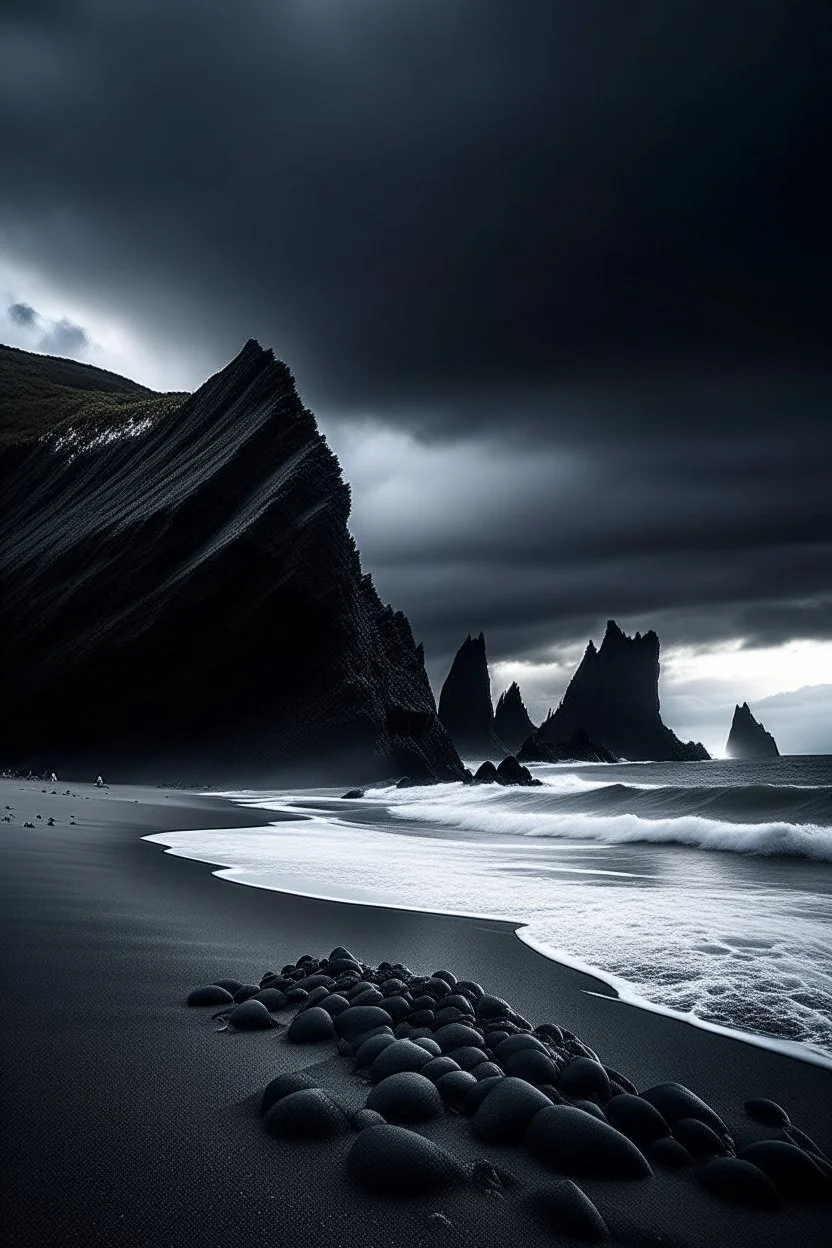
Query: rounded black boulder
x,y
312,1026
272,998
283,1085
437,1067
670,1153
399,1056
396,1006
507,1110
251,1016
245,992
486,773
586,1078
698,1138
365,1118
334,1003
740,1182
487,1070
428,1044
491,1007
230,985
675,1101
468,1056
406,1097
792,1171
454,1087
457,1036
306,1115
517,1044
573,1142
768,1112
392,1161
477,1093
531,1065
211,994
566,1210
361,1018
636,1118
370,1049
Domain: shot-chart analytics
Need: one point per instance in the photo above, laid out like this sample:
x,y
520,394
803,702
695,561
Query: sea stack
x,y
748,738
465,709
512,722
614,698
181,596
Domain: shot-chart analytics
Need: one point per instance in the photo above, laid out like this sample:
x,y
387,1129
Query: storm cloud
x,y
555,278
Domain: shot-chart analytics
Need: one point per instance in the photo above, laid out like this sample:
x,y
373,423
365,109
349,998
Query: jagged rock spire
x,y
748,738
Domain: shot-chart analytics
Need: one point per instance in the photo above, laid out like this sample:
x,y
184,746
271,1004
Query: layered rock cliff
x,y
187,602
465,701
512,722
614,698
748,738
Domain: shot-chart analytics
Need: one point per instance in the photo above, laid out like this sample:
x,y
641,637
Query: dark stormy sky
x,y
555,277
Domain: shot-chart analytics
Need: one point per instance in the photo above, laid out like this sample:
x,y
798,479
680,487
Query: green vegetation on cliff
x,y
42,396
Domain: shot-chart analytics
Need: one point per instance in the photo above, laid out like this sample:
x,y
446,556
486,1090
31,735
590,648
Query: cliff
x,y
465,707
180,597
748,738
512,722
614,697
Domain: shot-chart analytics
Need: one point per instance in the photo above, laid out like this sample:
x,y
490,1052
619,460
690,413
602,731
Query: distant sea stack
x,y
465,708
579,748
614,698
512,723
180,597
748,738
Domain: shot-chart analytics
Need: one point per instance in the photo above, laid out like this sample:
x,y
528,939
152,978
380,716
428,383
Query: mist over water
x,y
705,889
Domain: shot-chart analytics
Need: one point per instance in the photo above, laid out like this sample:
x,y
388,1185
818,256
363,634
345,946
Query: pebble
x,y
574,1143
568,1211
406,1097
506,1111
251,1016
309,1114
793,1172
392,1161
312,1026
740,1182
282,1086
211,994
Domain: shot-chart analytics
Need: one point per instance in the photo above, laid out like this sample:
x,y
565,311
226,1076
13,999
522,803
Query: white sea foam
x,y
734,940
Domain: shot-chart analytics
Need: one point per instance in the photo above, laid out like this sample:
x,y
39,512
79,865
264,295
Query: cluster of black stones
x,y
433,1044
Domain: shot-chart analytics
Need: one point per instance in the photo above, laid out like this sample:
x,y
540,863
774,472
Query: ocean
x,y
699,889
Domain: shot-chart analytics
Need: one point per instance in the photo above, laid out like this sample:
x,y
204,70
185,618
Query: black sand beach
x,y
127,1119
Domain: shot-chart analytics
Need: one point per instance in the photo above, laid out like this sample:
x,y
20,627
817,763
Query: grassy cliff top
x,y
41,395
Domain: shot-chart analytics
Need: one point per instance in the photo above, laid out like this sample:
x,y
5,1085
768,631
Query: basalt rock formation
x,y
748,738
614,697
580,748
180,595
465,701
512,722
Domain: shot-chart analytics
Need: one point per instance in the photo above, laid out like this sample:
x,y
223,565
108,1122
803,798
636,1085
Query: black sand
x,y
126,1119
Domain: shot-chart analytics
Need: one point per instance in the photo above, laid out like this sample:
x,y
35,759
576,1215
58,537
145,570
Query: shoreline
x,y
609,985
120,1104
